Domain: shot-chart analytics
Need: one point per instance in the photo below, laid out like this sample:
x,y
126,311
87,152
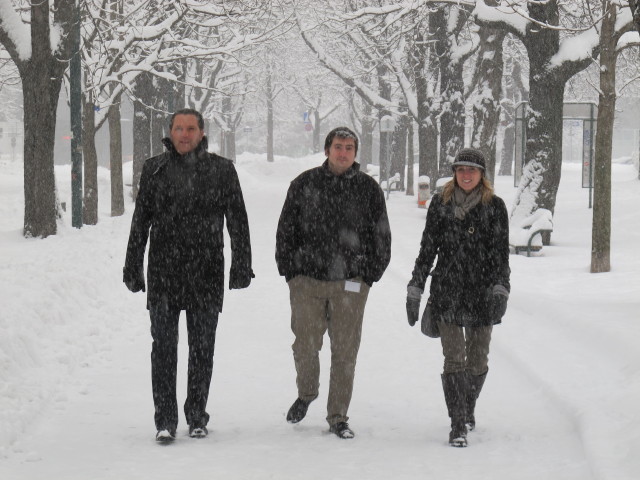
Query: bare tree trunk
x,y
158,121
365,152
317,124
601,229
634,5
538,186
230,141
488,82
427,125
508,149
223,143
452,117
399,148
90,156
384,90
427,161
514,93
39,175
115,162
141,129
451,93
269,91
41,77
115,136
410,155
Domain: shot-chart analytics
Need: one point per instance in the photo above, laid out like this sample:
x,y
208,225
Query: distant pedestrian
x,y
185,196
333,242
467,228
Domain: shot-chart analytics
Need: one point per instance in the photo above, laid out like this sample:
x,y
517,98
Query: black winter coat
x,y
183,200
465,291
334,227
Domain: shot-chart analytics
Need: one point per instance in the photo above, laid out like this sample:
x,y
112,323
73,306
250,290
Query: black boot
x,y
474,387
455,387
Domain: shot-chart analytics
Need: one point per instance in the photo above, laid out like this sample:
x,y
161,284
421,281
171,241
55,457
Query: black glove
x,y
240,277
500,298
414,294
133,279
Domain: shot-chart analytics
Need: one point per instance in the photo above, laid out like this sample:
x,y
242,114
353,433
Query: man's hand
x,y
414,294
133,279
240,277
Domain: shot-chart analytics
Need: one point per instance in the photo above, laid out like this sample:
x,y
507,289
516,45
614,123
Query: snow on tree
x,y
37,37
552,62
561,41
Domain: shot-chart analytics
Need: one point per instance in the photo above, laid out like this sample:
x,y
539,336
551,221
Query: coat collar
x,y
200,152
352,172
201,149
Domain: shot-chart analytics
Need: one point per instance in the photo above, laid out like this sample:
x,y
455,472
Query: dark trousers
x,y
201,328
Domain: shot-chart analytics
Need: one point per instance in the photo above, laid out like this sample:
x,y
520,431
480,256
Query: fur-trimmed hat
x,y
470,157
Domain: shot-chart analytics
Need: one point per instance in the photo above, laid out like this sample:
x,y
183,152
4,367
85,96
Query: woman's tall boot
x,y
474,387
454,386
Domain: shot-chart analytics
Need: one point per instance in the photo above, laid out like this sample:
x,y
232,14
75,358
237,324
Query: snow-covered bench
x,y
527,234
394,183
440,183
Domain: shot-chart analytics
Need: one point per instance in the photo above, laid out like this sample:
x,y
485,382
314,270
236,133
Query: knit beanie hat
x,y
470,157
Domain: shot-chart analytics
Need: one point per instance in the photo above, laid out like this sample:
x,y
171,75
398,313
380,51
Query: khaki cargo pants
x,y
318,306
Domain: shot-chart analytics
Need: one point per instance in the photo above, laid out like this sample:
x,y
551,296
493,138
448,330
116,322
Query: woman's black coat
x,y
183,201
473,256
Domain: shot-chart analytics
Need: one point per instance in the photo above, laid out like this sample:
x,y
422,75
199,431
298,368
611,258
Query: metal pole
x,y
75,88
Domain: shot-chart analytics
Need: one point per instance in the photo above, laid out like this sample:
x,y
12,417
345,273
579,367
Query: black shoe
x,y
297,411
165,436
342,430
198,432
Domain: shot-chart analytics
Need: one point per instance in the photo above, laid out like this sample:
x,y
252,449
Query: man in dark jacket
x,y
184,197
333,242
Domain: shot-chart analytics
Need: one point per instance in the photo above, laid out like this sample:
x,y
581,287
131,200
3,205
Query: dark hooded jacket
x,y
334,227
183,202
473,256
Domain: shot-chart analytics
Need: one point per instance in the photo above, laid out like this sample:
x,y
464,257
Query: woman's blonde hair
x,y
485,185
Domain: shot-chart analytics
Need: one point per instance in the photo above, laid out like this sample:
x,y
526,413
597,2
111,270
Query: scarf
x,y
464,202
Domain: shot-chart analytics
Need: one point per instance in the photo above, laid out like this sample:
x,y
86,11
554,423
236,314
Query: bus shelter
x,y
585,113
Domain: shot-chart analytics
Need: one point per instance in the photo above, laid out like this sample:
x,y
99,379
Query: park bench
x,y
527,234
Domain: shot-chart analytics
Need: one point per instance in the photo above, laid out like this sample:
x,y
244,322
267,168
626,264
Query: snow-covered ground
x,y
560,402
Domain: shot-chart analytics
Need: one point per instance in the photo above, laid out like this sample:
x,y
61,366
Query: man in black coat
x,y
333,241
184,198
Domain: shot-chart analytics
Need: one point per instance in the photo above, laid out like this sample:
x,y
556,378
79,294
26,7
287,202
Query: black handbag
x,y
428,323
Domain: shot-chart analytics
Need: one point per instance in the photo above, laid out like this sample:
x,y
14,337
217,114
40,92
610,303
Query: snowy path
x,y
559,401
